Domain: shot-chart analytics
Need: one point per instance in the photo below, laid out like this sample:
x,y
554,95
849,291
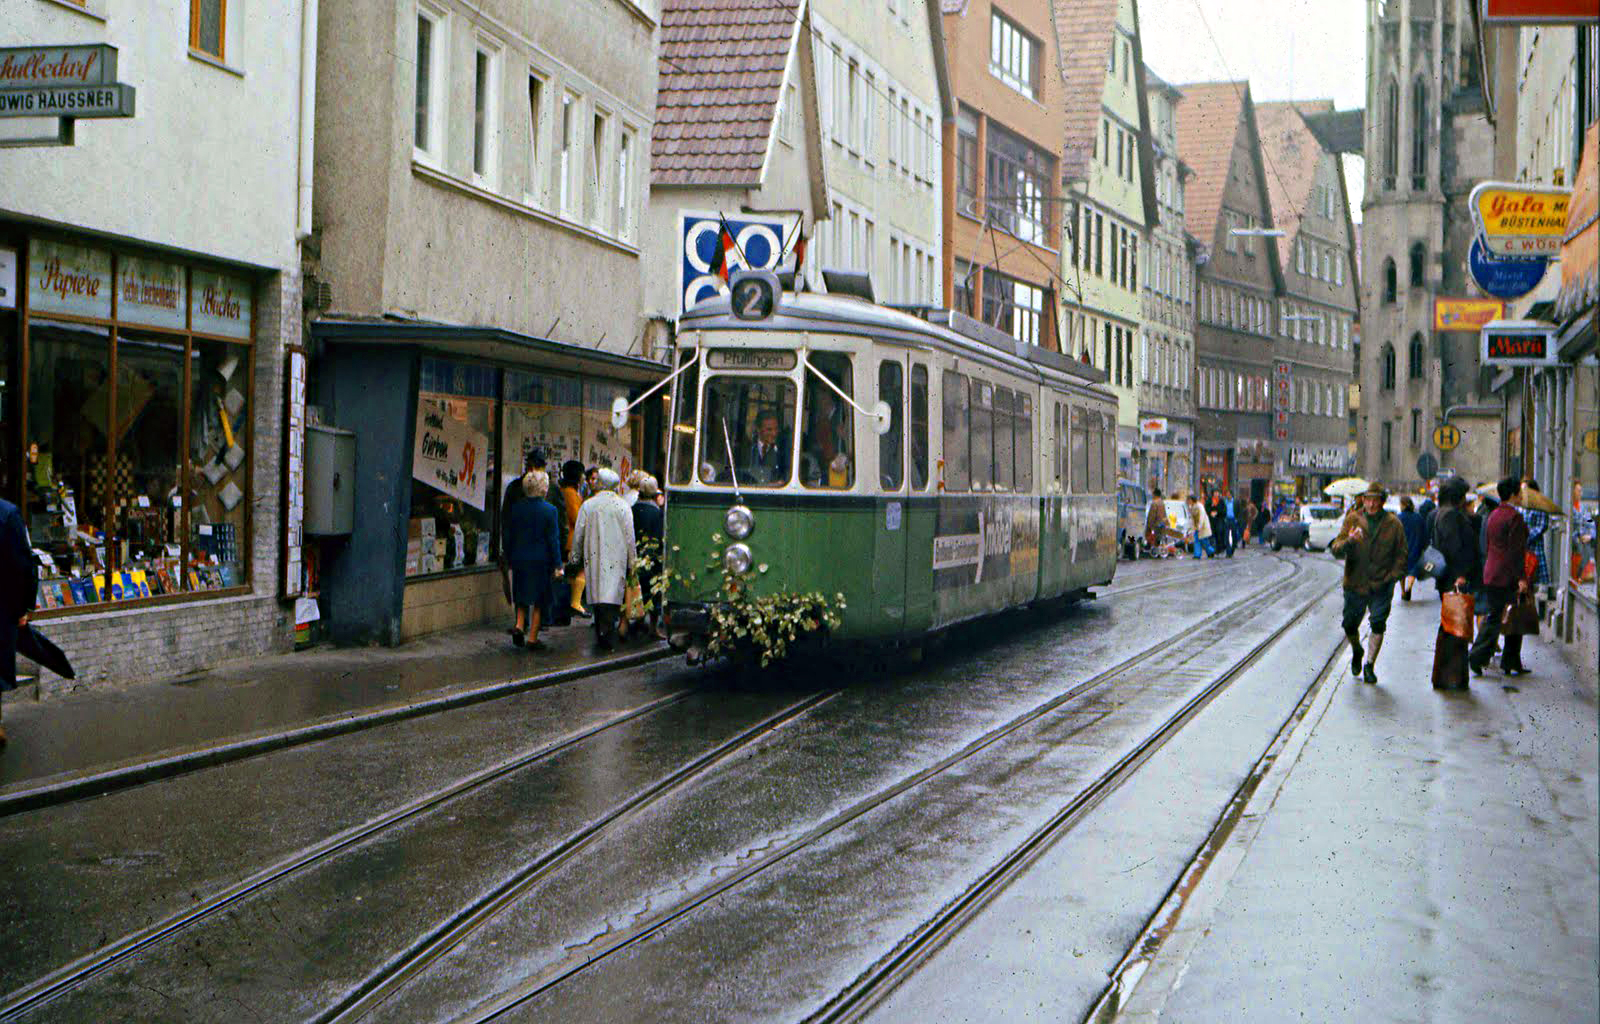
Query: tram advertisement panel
x,y
759,243
984,538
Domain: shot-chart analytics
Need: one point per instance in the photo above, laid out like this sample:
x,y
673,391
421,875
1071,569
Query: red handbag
x,y
1530,566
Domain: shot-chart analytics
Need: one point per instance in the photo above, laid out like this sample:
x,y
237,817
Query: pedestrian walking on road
x,y
604,542
1202,529
532,545
1416,543
649,533
1373,545
572,501
1504,580
1155,522
19,591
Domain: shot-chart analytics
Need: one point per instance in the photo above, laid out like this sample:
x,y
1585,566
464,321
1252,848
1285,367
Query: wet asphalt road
x,y
752,887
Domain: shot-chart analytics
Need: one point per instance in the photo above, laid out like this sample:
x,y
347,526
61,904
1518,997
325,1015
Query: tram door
x,y
891,521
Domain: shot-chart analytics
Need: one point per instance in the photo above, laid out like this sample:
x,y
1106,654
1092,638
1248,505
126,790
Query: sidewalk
x,y
253,705
1412,856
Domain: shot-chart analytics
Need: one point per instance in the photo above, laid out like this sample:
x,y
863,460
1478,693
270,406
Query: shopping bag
x,y
633,603
561,606
1433,564
1455,615
1521,617
1530,566
1449,662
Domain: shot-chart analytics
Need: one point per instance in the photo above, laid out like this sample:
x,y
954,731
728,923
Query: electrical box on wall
x,y
330,481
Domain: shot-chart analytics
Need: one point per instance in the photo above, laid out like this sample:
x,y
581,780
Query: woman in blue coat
x,y
1416,530
532,544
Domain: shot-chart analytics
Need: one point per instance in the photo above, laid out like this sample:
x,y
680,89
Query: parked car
x,y
1132,505
1287,529
1322,525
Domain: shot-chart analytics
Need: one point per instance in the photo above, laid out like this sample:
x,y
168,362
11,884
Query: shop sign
x,y
8,279
1330,460
1517,343
68,279
1465,314
758,245
1152,426
1520,220
220,305
151,293
1282,400
114,100
1509,277
1546,12
27,67
448,455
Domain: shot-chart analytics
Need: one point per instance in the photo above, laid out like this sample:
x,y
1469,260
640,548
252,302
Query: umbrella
x,y
1536,500
37,647
1346,487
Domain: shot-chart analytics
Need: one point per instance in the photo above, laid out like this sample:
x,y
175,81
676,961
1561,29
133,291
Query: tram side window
x,y
982,435
891,444
1023,411
956,428
919,427
1108,440
751,421
683,421
1058,446
827,445
1004,447
1080,451
1097,452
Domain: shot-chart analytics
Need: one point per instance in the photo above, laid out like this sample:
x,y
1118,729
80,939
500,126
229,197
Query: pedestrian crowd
x,y
586,547
1212,525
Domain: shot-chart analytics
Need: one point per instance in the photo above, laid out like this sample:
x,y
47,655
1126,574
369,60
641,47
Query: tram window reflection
x,y
982,436
919,427
891,444
1004,454
683,420
752,420
827,449
1080,452
957,464
1022,412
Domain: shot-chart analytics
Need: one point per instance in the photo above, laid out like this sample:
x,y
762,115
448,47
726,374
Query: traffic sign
x,y
1446,437
1427,465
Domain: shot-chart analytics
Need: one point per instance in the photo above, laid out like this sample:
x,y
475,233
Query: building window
x,y
1386,367
207,25
967,162
595,199
788,123
1391,283
962,286
536,93
1419,260
1414,359
484,115
1013,306
428,126
1388,443
1013,54
1419,134
1391,133
566,165
1416,427
1017,185
853,115
624,184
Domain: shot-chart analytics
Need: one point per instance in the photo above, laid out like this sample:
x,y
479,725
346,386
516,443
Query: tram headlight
x,y
739,522
737,559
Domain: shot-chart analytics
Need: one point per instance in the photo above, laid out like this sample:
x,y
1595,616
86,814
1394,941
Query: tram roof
x,y
811,311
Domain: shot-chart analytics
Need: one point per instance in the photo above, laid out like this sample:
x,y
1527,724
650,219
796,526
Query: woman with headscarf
x,y
1416,543
532,544
603,539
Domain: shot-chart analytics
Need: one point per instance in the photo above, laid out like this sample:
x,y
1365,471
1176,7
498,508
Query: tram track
x,y
1197,636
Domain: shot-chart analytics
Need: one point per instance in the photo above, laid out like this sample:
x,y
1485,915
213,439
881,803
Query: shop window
x,y
827,442
982,435
685,406
751,421
891,445
10,394
219,435
540,410
603,445
955,427
919,427
207,23
452,503
69,398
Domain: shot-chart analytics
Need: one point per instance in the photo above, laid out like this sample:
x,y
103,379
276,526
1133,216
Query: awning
x,y
1582,238
491,344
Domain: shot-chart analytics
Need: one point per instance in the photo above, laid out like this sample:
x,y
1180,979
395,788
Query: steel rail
x,y
394,975
560,971
70,975
874,985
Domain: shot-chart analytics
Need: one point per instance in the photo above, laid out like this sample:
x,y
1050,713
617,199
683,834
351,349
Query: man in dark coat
x,y
649,536
1453,532
768,461
19,591
1504,579
1373,546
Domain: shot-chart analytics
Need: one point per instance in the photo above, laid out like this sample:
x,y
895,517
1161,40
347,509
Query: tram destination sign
x,y
1518,343
749,359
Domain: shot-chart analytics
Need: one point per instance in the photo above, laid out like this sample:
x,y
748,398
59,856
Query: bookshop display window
x,y
135,429
453,463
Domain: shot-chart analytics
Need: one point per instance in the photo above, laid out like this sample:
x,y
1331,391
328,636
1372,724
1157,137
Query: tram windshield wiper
x,y
727,443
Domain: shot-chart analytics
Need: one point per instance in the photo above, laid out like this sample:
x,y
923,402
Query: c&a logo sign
x,y
759,239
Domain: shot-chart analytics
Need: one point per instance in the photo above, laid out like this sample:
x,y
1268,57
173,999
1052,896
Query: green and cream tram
x,y
932,470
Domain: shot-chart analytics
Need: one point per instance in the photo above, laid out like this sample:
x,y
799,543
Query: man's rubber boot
x,y
1355,653
1374,645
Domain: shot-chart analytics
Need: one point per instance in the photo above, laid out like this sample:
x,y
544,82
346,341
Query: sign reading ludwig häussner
x,y
62,81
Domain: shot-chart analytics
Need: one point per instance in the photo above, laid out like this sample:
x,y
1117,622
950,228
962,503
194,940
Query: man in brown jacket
x,y
1373,545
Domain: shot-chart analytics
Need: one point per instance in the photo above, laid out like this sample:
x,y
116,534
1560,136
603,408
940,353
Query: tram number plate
x,y
891,516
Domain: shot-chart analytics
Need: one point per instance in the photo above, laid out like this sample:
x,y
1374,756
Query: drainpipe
x,y
308,109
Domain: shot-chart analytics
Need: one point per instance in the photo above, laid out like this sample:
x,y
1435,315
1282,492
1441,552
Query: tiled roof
x,y
1291,152
1084,29
721,76
1208,123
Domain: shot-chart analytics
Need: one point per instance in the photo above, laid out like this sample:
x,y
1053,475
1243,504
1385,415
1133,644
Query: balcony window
x,y
1018,178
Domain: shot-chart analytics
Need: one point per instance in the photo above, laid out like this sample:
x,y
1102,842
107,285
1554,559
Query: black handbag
x,y
1433,564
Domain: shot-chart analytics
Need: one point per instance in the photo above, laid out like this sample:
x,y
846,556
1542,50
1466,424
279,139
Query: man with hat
x,y
1373,545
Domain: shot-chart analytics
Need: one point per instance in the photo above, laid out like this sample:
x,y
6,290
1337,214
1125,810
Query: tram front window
x,y
827,448
751,420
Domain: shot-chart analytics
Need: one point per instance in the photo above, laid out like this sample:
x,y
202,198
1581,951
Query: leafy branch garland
x,y
763,626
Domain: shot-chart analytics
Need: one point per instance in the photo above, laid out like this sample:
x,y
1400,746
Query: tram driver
x,y
767,457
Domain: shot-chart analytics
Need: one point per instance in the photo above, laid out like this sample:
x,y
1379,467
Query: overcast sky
x,y
1288,49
